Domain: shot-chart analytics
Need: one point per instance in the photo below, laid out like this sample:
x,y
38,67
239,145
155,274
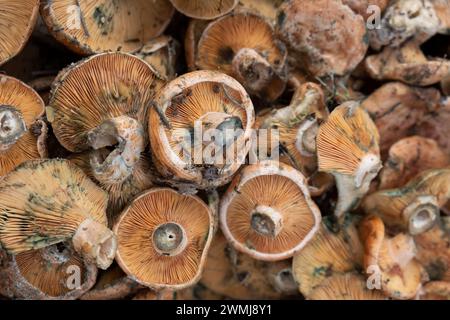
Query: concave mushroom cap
x,y
18,18
20,107
405,20
415,206
92,27
204,9
365,7
163,239
349,286
267,211
407,64
324,37
55,272
335,249
397,108
44,202
435,290
244,46
193,34
348,148
266,8
390,261
407,158
188,109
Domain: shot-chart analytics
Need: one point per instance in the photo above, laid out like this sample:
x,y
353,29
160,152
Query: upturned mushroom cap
x,y
20,108
335,249
21,14
415,206
397,108
435,290
55,272
163,239
390,262
407,158
93,27
44,202
407,64
187,113
204,9
267,212
348,148
405,20
324,37
100,105
243,45
349,286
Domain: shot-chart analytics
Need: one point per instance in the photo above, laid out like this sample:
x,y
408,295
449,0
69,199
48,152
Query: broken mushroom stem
x,y
12,126
95,243
169,239
126,136
421,214
266,221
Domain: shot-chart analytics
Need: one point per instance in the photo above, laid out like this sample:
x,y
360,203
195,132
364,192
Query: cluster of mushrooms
x,y
97,201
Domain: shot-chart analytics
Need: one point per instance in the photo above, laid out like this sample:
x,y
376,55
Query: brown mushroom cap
x,y
185,111
92,27
44,202
163,239
267,212
22,15
53,272
332,251
347,147
324,37
204,9
243,45
435,290
349,286
20,107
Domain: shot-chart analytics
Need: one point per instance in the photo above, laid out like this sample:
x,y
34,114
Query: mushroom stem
x,y
126,136
169,239
421,214
95,243
12,126
306,137
266,221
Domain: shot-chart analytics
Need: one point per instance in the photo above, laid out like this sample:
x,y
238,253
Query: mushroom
x,y
442,9
88,27
100,105
20,110
336,249
324,37
243,45
161,53
349,286
204,9
200,128
193,33
390,261
267,212
435,290
347,148
415,206
396,110
44,202
407,158
18,18
163,239
55,272
407,64
265,8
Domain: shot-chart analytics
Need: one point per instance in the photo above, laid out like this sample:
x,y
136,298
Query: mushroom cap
x,y
204,9
49,273
323,36
93,27
199,100
97,89
22,14
264,194
139,252
333,251
224,39
49,200
348,286
17,96
407,158
435,290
